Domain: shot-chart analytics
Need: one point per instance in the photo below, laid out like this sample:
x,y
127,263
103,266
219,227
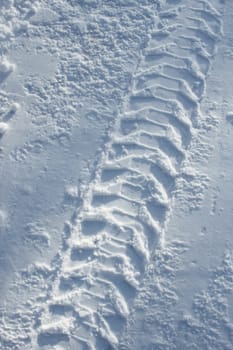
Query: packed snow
x,y
116,200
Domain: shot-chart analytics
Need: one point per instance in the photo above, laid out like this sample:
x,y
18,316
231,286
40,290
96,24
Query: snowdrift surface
x,y
116,174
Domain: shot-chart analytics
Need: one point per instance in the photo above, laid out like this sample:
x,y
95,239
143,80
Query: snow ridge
x,y
125,209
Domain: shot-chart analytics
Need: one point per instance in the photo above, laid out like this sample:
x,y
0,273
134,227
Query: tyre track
x,y
126,207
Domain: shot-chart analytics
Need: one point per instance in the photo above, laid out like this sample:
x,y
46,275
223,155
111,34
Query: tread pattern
x,y
125,209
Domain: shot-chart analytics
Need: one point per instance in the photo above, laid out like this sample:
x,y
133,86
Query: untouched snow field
x,y
116,199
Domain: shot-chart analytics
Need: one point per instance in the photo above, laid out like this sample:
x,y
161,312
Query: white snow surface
x,y
116,193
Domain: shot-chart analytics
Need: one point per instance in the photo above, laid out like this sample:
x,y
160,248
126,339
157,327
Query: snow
x,y
116,129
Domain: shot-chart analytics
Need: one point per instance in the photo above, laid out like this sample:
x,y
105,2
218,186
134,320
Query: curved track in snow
x,y
124,212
